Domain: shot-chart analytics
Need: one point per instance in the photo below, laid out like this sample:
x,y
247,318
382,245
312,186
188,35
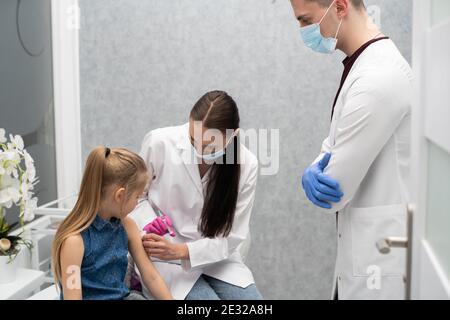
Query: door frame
x,y
66,88
424,261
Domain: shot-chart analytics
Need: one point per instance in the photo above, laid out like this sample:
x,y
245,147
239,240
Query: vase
x,y
8,271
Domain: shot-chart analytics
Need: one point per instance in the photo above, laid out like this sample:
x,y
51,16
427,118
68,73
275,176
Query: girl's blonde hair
x,y
104,167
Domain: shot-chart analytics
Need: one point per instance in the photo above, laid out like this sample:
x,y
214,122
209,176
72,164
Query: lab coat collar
x,y
184,142
190,161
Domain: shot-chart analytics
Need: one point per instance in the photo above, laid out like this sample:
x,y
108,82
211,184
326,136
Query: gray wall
x,y
145,63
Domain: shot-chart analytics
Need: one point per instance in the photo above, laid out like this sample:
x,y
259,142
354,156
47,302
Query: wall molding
x,y
66,84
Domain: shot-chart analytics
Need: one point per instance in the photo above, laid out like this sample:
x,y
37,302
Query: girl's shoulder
x,y
74,240
130,226
73,244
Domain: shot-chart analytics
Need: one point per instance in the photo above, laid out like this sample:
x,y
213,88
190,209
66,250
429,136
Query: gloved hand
x,y
159,226
319,188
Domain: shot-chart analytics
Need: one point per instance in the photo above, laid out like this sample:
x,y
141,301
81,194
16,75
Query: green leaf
x,y
3,226
13,239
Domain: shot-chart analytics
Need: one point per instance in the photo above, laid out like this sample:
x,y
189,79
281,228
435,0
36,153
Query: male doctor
x,y
362,173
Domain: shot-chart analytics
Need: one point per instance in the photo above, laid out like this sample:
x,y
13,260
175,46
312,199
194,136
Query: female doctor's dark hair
x,y
219,111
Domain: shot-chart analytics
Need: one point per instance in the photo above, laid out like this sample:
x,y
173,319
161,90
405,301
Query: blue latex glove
x,y
319,188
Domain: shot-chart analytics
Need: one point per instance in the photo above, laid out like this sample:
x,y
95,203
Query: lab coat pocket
x,y
368,226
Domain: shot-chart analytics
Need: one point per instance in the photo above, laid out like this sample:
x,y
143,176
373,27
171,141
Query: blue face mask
x,y
210,157
313,39
218,154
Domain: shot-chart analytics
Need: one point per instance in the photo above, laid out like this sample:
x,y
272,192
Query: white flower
x,y
10,192
30,206
2,135
24,187
29,162
11,169
10,155
16,142
8,196
16,182
2,165
10,160
5,199
29,165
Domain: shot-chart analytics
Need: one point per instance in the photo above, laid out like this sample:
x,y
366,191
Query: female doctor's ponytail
x,y
217,110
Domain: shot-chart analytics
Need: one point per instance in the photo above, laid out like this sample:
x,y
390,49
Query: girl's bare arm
x,y
71,257
150,276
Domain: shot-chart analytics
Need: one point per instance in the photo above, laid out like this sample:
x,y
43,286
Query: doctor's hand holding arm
x,y
159,247
320,188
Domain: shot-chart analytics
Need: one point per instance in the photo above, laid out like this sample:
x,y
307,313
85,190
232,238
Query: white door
x,y
431,151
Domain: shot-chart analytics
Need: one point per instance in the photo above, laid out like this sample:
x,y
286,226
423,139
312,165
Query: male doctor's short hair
x,y
358,4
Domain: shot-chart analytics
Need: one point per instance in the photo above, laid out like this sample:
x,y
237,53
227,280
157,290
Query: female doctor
x,y
204,180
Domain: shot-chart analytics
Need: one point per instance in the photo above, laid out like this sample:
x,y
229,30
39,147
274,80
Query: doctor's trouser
x,y
208,288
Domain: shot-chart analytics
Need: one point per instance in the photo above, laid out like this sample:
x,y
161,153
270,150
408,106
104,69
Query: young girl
x,y
91,245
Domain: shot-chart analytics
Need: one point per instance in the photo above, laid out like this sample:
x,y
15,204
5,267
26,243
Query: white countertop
x,y
26,282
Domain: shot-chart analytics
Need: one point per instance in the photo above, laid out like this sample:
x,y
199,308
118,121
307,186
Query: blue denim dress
x,y
105,260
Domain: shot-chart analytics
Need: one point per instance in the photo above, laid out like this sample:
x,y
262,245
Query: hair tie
x,y
108,151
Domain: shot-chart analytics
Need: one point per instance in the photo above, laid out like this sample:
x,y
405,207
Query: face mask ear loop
x,y
339,28
235,134
326,12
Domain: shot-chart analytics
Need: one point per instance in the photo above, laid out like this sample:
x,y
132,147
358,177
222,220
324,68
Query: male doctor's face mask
x,y
313,39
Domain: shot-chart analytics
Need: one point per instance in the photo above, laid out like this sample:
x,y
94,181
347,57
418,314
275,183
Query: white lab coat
x,y
369,141
178,190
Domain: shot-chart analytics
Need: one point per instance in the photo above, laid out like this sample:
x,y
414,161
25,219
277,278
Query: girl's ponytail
x,y
86,207
91,186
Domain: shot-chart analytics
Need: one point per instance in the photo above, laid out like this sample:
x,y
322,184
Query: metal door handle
x,y
384,247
